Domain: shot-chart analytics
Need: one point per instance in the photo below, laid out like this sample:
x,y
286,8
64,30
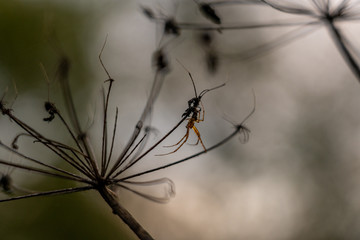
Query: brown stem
x,y
341,45
117,209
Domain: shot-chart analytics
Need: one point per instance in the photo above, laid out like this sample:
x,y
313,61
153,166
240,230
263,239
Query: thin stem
x,y
49,193
63,70
340,43
278,42
155,89
112,141
40,163
69,130
43,171
240,2
48,143
291,10
238,129
104,135
132,151
136,133
151,148
235,26
118,210
57,145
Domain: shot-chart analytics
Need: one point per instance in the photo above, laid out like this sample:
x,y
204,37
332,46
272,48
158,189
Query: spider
x,y
193,115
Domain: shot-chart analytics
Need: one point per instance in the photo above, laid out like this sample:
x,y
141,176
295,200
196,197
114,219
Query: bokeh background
x,y
296,178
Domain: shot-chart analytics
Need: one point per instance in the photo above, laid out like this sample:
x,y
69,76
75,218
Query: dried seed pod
x,y
209,13
148,13
171,27
51,109
206,39
5,183
212,61
160,60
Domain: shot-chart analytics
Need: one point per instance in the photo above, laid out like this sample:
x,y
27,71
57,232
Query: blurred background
x,y
296,178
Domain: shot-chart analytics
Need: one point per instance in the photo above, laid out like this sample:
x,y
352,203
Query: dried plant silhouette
x,y
326,13
109,172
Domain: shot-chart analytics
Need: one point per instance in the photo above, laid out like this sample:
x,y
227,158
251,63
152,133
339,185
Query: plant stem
x,y
117,209
340,43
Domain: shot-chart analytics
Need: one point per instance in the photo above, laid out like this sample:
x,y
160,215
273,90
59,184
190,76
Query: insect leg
x,y
203,111
199,138
186,136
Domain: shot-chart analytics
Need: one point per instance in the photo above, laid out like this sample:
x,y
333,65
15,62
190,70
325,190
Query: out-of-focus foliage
x,y
34,32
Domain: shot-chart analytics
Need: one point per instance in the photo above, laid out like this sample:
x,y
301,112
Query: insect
x,y
193,115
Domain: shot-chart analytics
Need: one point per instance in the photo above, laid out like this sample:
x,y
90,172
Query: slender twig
x,y
120,211
32,169
341,46
70,132
278,42
50,193
104,135
112,140
63,72
242,26
46,142
155,89
132,151
182,160
151,148
39,162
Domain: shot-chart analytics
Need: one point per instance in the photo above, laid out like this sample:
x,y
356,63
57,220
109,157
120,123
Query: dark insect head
x,y
193,104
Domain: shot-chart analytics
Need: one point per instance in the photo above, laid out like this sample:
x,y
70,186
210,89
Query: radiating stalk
x,y
117,209
340,43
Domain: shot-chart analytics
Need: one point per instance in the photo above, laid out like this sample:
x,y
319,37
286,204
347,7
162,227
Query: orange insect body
x,y
190,125
193,112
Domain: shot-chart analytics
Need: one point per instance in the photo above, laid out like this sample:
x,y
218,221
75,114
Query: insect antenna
x,y
192,80
203,92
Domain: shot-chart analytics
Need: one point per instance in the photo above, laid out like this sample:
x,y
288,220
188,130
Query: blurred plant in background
x,y
110,171
297,178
